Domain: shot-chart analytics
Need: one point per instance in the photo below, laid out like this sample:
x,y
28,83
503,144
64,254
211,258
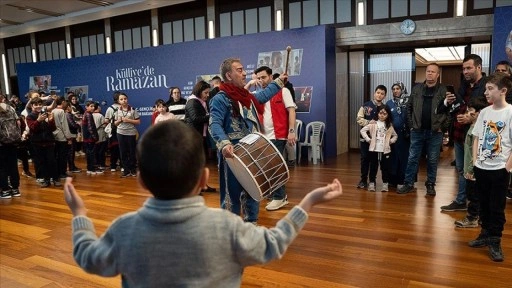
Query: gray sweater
x,y
181,243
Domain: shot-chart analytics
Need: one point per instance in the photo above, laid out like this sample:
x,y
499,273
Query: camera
x,y
44,111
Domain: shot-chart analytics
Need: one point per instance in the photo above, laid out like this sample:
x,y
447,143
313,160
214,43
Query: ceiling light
x,y
36,10
98,2
441,54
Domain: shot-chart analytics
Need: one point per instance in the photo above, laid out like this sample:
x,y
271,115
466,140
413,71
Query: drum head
x,y
244,176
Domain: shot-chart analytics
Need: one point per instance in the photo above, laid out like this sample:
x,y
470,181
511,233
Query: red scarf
x,y
241,95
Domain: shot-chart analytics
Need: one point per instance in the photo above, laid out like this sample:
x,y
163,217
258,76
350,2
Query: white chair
x,y
314,140
298,135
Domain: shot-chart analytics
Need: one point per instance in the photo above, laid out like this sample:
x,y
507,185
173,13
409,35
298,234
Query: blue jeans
x,y
233,197
89,154
432,141
279,193
459,164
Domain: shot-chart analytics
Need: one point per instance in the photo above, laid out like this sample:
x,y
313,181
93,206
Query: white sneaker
x,y
276,204
91,172
384,187
371,186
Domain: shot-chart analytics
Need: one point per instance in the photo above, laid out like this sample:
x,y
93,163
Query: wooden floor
x,y
362,239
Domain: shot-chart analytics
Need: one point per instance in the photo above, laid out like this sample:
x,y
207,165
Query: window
x,y
319,12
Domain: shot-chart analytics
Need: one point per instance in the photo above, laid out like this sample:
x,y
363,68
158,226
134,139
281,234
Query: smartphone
x,y
450,89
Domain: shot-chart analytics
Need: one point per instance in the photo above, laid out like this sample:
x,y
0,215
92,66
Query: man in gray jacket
x,y
427,116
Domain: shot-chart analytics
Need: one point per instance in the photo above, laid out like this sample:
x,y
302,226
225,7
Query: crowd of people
x,y
478,119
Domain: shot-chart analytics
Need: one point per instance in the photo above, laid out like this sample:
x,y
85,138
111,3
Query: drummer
x,y
235,113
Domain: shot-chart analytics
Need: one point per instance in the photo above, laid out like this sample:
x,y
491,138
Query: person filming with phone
x,y
472,86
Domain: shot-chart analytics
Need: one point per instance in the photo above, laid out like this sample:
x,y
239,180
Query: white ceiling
x,y
19,17
440,55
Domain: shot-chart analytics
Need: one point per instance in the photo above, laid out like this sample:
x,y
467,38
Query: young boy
x,y
90,134
491,155
174,240
471,220
366,115
101,146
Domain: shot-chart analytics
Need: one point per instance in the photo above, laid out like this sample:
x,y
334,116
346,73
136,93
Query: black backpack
x,y
10,132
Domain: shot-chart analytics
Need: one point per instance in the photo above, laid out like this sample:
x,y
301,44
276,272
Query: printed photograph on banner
x,y
81,92
206,77
502,36
276,60
40,83
303,96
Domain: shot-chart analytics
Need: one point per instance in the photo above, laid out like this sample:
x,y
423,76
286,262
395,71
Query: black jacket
x,y
195,115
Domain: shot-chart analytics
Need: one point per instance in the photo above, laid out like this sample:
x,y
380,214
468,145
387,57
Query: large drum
x,y
258,166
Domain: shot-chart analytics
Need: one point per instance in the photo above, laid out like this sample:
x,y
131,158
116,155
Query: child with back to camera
x,y
381,135
175,240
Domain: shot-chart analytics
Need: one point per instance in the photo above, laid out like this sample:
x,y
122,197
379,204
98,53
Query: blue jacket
x,y
225,128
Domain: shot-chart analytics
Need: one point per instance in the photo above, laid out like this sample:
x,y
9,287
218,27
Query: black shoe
x,y
481,241
15,192
509,195
5,194
208,189
405,189
431,191
454,206
495,252
362,185
124,175
453,163
45,184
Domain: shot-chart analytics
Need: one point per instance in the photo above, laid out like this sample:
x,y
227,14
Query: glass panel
x,y
500,3
28,52
42,54
310,13
10,61
77,47
381,9
48,51
251,20
167,33
93,47
343,11
481,4
225,24
265,16
55,51
398,8
62,49
390,68
127,39
137,38
85,46
200,30
177,31
238,22
118,35
418,7
21,51
101,43
16,53
326,11
438,6
188,25
295,15
484,51
146,36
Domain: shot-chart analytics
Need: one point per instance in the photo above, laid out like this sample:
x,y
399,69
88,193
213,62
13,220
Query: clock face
x,y
408,26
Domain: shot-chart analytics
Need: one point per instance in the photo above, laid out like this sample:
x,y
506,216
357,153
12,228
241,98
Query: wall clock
x,y
408,26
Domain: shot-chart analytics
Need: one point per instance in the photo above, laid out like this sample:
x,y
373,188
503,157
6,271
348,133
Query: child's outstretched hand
x,y
322,194
74,201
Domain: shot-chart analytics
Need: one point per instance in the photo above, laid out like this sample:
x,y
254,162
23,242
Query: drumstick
x,y
288,50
